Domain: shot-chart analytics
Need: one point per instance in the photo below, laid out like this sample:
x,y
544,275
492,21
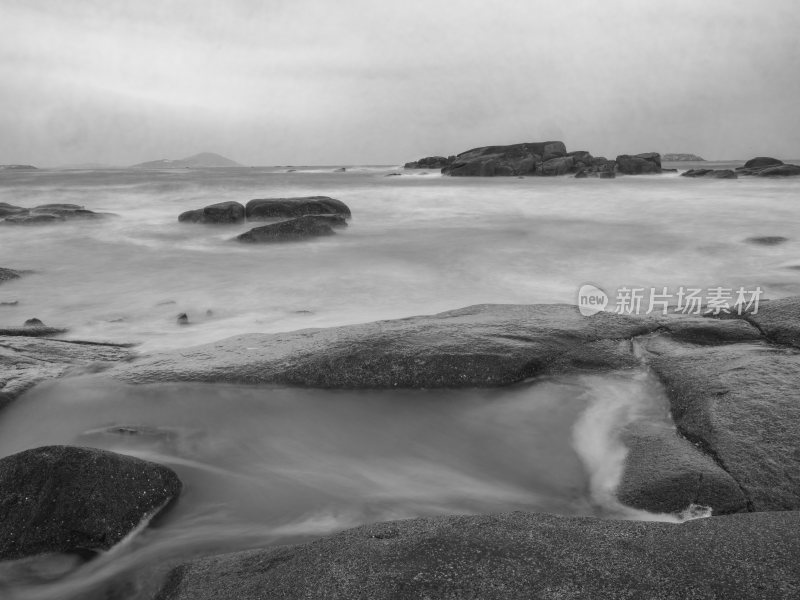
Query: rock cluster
x,y
710,173
298,218
765,166
431,162
45,213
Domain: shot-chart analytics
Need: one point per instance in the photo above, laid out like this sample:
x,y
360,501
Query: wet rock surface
x,y
517,555
26,361
273,208
219,213
68,499
46,214
293,230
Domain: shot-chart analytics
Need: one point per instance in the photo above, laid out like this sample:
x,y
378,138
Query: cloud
x,y
356,81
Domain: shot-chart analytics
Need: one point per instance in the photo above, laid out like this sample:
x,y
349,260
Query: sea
x,y
269,465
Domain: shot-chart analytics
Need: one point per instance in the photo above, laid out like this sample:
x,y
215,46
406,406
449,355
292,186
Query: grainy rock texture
x,y
65,498
515,556
274,208
292,230
220,213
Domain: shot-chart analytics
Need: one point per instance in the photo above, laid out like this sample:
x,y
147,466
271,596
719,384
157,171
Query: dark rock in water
x,y
31,331
27,360
514,556
780,171
272,208
738,403
18,168
767,240
31,219
292,230
222,212
430,162
11,303
340,170
9,274
183,319
67,499
649,162
51,213
710,173
7,209
34,323
393,175
762,161
517,159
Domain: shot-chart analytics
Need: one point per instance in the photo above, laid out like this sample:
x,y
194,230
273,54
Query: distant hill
x,y
17,168
198,161
682,157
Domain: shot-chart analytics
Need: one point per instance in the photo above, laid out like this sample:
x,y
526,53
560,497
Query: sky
x,y
276,82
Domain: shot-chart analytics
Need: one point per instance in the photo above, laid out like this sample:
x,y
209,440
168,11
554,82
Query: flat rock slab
x,y
301,228
272,208
478,346
65,499
741,404
515,556
25,361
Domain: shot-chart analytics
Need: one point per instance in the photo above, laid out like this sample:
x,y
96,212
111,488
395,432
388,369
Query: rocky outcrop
x,y
301,228
31,328
431,162
710,173
46,213
760,162
282,208
8,274
767,240
673,157
779,171
219,213
764,166
639,164
26,361
514,556
18,168
517,159
68,499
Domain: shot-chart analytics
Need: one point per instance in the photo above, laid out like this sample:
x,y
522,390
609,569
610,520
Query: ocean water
x,y
270,464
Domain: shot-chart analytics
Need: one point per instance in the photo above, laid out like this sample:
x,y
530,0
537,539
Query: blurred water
x,y
417,244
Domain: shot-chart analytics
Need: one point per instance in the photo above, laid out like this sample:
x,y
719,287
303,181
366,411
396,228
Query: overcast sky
x,y
364,81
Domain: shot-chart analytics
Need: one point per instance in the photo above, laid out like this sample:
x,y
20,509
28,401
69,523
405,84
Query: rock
x,y
7,209
710,173
26,360
581,174
393,175
31,219
18,168
478,346
649,162
665,473
300,228
182,319
762,161
682,157
33,328
430,162
340,170
517,159
780,171
10,303
738,403
273,208
67,499
222,212
556,166
767,240
51,213
778,320
514,556
33,323
9,274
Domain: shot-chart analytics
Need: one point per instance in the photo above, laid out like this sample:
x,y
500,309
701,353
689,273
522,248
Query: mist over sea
x,y
273,464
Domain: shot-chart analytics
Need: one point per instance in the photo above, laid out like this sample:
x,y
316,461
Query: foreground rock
x,y
293,230
9,274
68,499
639,164
275,208
222,212
26,361
515,556
765,166
31,328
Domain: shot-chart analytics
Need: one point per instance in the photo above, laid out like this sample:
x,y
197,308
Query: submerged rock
x,y
273,208
297,229
710,173
8,274
780,171
7,209
67,499
767,240
222,212
50,213
516,555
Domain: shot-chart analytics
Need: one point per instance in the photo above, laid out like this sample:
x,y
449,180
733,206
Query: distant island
x,y
682,157
18,168
198,161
